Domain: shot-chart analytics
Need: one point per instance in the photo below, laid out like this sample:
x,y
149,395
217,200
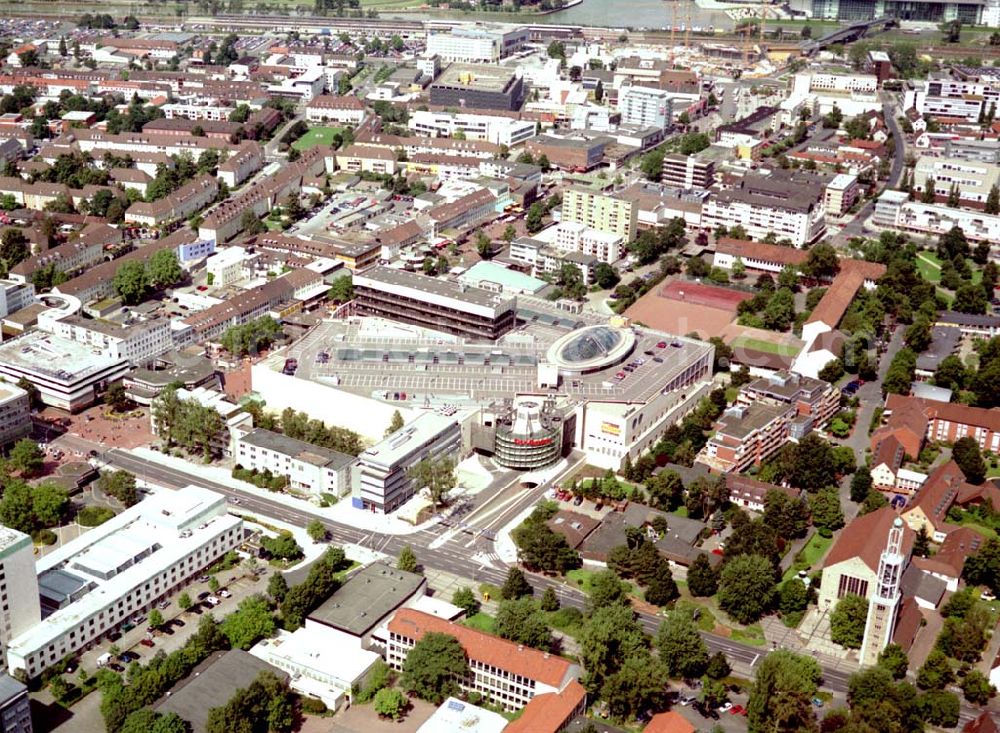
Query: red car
x,y
661,345
737,710
147,642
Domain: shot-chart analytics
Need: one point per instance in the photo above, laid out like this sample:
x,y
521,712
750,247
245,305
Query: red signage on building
x,y
532,441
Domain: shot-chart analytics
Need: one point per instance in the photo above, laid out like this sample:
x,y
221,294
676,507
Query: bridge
x,y
853,32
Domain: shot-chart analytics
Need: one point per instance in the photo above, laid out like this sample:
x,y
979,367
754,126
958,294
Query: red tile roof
x,y
950,558
671,722
907,623
951,411
531,663
551,711
761,251
985,723
865,538
939,492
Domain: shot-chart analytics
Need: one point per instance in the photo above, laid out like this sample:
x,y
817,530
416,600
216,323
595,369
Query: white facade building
x,y
972,178
894,210
497,130
575,237
801,221
137,343
950,97
477,44
646,106
308,467
93,584
381,483
227,266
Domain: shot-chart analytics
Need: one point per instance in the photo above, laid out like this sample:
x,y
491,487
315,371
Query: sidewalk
x,y
342,512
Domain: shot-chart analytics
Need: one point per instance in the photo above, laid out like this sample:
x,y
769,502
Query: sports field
x,y
768,347
316,136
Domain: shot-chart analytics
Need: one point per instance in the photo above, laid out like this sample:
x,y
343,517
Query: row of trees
x,y
187,423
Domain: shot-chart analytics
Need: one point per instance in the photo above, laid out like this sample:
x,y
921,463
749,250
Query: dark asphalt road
x,y
460,564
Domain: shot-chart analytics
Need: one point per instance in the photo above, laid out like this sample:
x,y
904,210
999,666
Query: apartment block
x,y
747,435
309,467
789,206
20,609
946,96
574,237
240,165
505,673
381,482
841,194
185,201
815,399
604,212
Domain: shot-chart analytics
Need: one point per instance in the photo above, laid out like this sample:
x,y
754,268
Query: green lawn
x,y
316,136
582,579
811,554
753,635
765,346
929,266
481,621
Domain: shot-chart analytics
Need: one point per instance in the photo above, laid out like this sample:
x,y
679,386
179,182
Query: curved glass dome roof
x,y
590,344
591,348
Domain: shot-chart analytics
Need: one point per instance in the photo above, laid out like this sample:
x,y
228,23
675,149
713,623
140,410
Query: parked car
x,y
688,699
147,642
223,593
725,707
202,578
162,605
203,595
738,710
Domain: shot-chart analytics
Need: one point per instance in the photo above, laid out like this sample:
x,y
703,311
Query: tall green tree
x,y
433,666
681,646
610,636
521,621
747,588
847,622
781,695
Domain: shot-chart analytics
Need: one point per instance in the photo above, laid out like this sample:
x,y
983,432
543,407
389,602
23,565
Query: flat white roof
x,y
157,525
314,651
407,439
455,715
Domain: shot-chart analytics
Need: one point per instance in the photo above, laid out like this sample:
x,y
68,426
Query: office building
x,y
528,434
15,414
15,707
957,98
577,153
788,206
970,12
478,87
68,374
498,130
14,296
426,301
894,210
505,673
357,611
381,482
646,107
308,467
601,211
687,171
340,110
90,586
137,343
477,44
972,179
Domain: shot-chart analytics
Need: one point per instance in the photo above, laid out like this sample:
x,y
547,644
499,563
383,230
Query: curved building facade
x,y
529,437
591,349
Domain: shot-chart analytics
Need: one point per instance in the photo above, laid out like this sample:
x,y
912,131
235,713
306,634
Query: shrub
x,y
92,516
312,706
45,537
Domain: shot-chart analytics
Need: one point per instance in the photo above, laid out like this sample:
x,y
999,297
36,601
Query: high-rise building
x,y
15,708
884,602
688,171
601,211
20,608
646,107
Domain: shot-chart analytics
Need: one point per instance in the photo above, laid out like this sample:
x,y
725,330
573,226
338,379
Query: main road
x,y
451,560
